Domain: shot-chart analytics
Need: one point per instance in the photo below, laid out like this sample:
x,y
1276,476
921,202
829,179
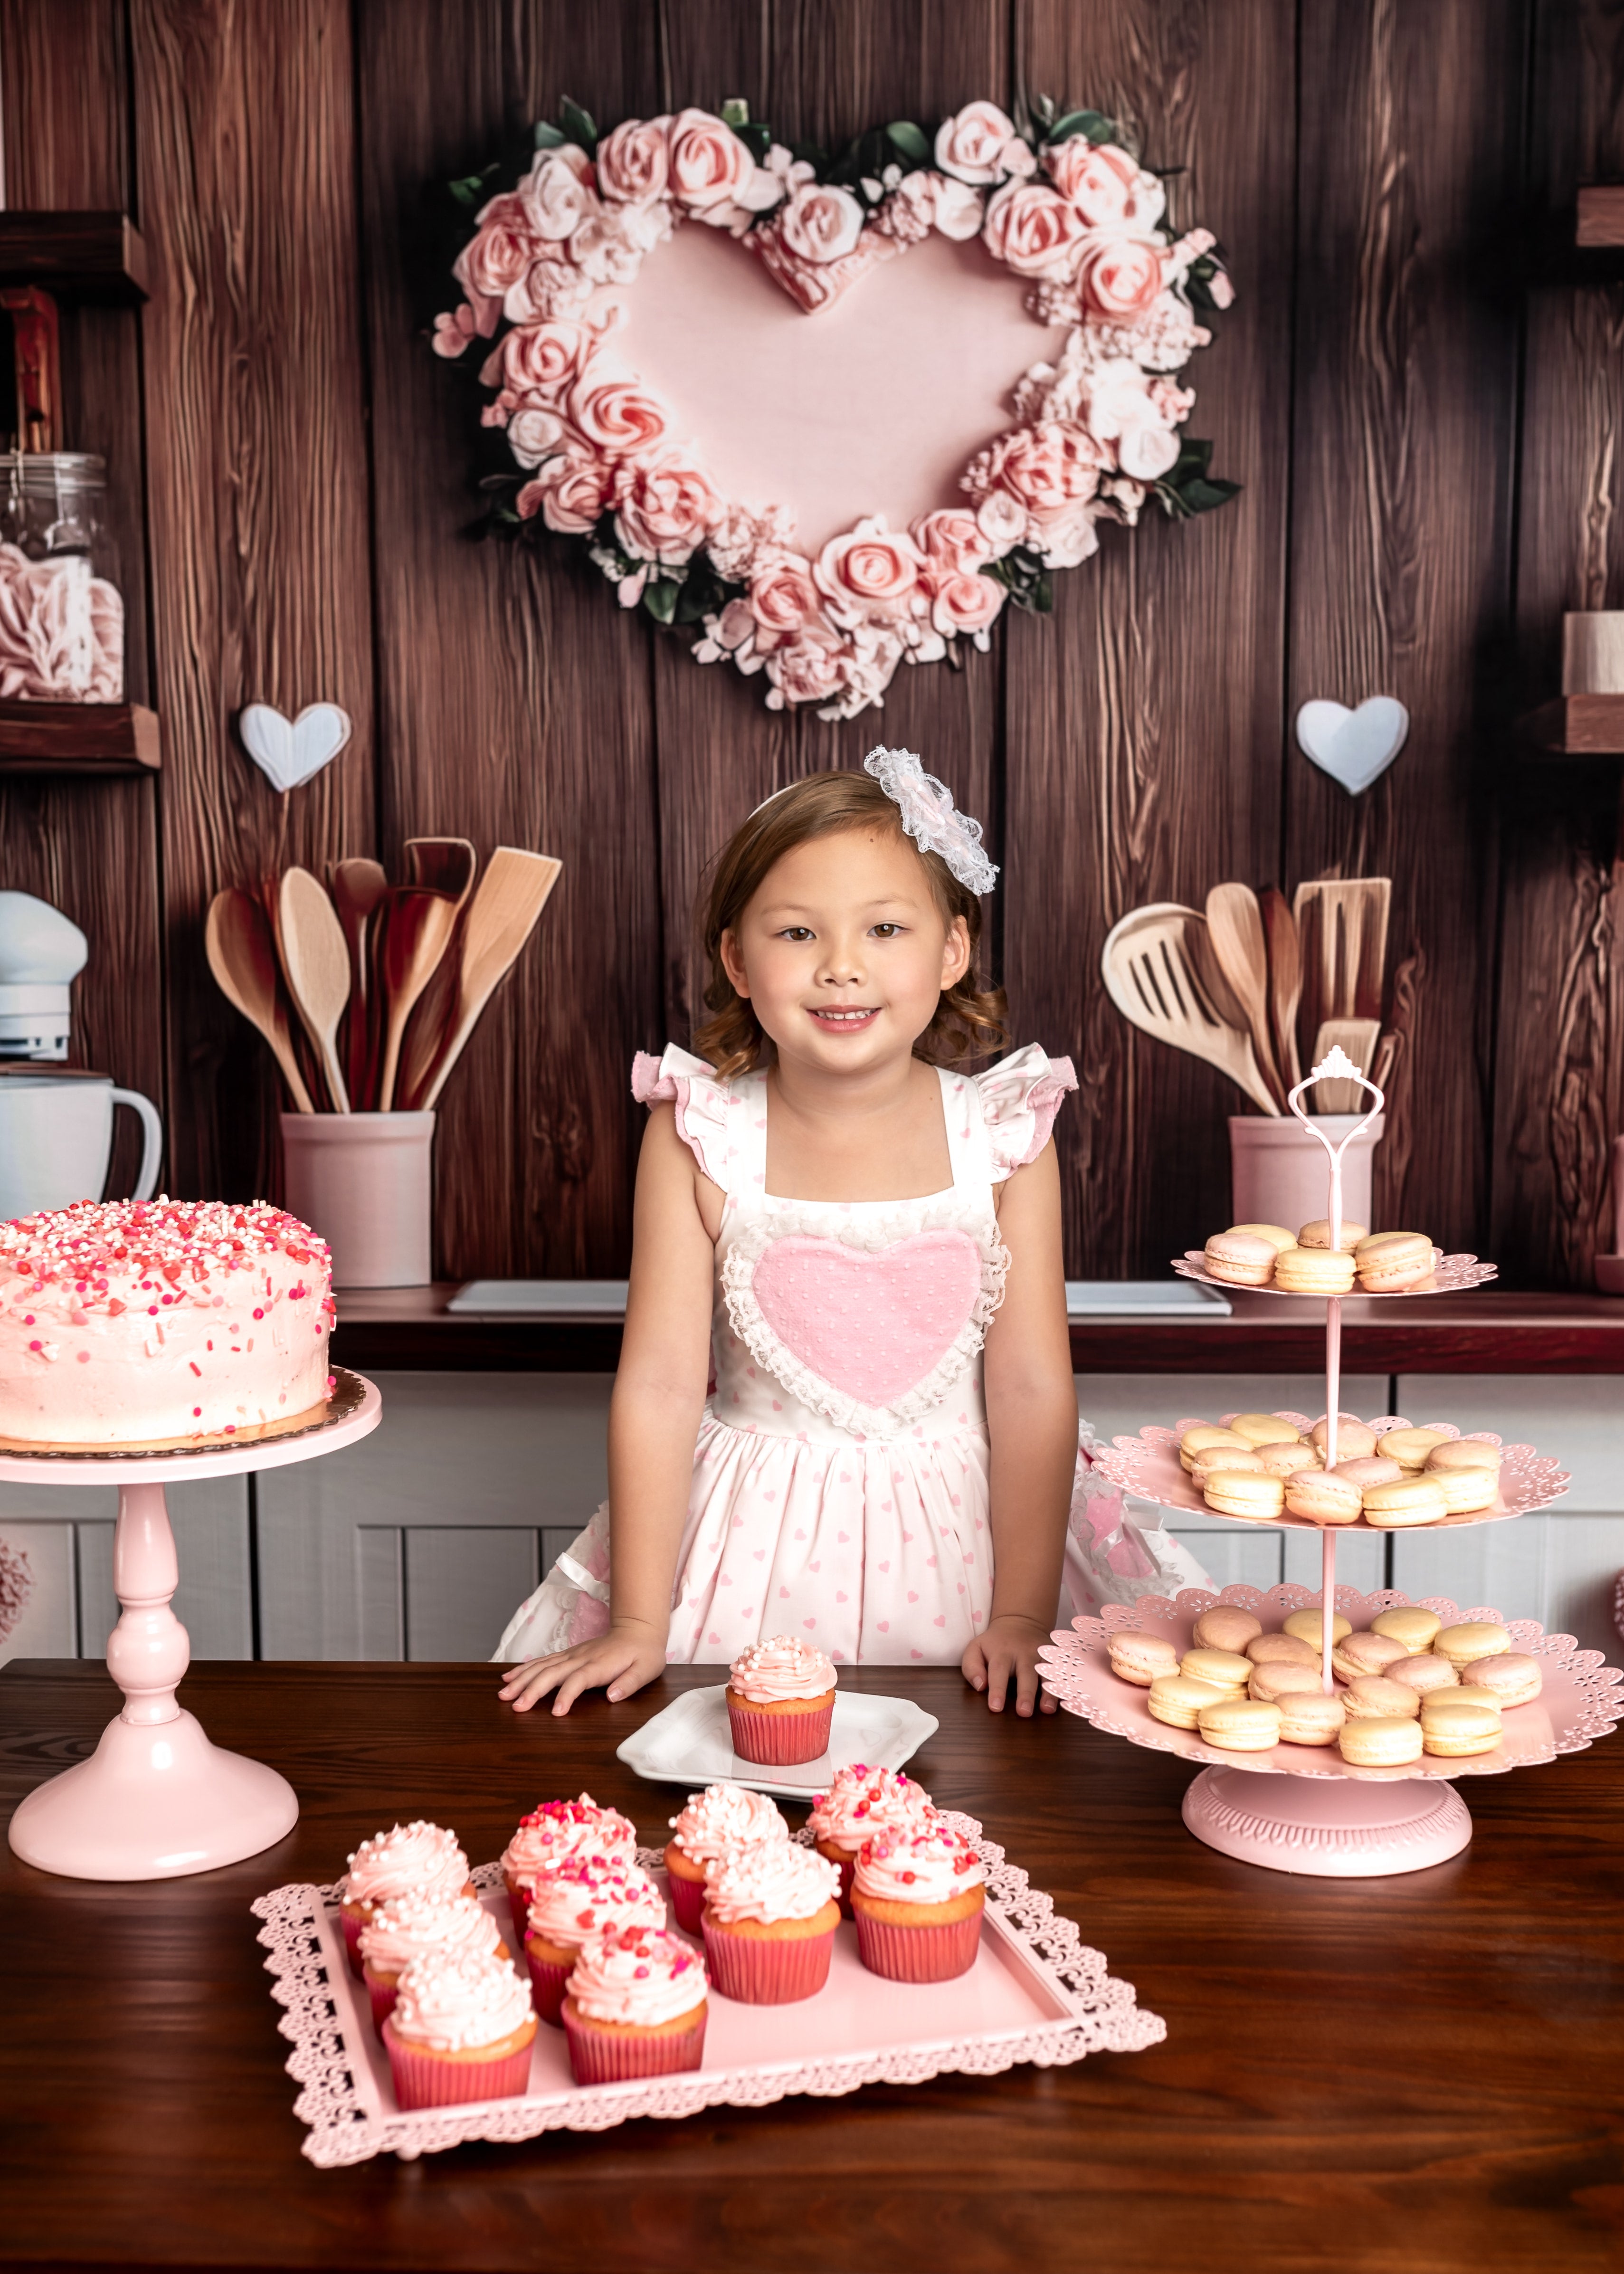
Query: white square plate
x,y
690,1742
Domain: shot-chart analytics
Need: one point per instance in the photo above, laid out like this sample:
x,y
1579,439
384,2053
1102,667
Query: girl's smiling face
x,y
844,951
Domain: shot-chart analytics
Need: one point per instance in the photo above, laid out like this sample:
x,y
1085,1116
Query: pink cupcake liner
x,y
688,1901
383,2000
780,1740
352,1940
919,1953
598,2058
768,1973
519,1905
846,1864
424,2079
548,1984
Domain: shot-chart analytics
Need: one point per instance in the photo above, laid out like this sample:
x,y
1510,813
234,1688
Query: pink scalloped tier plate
x,y
1450,1275
1149,1465
1036,1993
1581,1699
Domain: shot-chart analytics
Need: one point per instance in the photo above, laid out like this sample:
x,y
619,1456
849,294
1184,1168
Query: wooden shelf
x,y
85,256
78,738
1601,216
1578,727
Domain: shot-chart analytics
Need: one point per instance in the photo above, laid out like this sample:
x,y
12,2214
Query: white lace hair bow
x,y
931,818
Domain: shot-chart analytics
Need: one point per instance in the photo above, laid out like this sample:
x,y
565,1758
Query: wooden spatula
x,y
1343,922
315,962
1285,982
501,918
1235,929
443,864
417,931
1357,1037
1150,966
237,936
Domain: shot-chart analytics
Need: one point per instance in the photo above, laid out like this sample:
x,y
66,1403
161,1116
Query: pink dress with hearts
x,y
840,1479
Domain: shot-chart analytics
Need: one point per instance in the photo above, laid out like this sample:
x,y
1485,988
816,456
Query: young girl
x,y
846,1285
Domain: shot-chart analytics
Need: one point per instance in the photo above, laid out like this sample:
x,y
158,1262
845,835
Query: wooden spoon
x,y
417,926
442,864
1152,964
1285,980
237,936
501,916
315,961
359,889
1235,927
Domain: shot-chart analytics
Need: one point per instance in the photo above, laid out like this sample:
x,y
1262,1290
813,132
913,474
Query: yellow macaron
x,y
1354,1441
1306,1625
1473,1639
1411,1501
1261,1429
1412,1449
1318,1234
1389,1262
1314,1271
1276,1234
1206,1437
1226,1626
1176,1700
1225,1669
1452,1727
1411,1624
1241,1725
1466,1492
1463,1453
1208,1463
1386,1742
1252,1499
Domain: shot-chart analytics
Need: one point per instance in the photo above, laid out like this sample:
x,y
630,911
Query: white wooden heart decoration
x,y
290,751
1353,747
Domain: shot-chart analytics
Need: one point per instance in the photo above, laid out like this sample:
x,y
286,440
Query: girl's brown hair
x,y
969,1020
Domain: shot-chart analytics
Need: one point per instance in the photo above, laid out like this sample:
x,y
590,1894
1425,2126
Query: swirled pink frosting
x,y
583,1894
783,1668
724,1816
451,1999
633,1974
930,1865
566,1827
860,1800
413,1859
411,1926
772,1880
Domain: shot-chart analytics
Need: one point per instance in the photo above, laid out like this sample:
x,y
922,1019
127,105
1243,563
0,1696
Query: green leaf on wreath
x,y
577,125
1202,496
661,599
469,192
549,138
735,111
1091,123
758,140
908,142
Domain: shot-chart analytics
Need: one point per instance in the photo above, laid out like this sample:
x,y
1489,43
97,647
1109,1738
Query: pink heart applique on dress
x,y
872,1325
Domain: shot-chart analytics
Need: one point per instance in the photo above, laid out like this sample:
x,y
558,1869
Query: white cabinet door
x,y
38,1607
70,1535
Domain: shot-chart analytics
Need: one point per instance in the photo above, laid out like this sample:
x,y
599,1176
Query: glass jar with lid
x,y
61,618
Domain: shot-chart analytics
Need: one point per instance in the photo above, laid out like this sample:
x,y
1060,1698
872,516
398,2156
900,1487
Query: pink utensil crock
x,y
1275,1178
362,1181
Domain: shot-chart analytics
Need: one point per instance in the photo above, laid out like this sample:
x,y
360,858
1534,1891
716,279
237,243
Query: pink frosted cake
x,y
158,1322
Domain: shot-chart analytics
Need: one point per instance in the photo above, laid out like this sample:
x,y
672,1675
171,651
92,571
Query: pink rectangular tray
x,y
1036,1993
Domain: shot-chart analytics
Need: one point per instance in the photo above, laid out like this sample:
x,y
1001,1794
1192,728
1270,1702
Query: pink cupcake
x,y
859,1802
637,2006
462,2029
410,1928
918,1895
770,1919
574,1903
723,1817
780,1702
413,1859
556,1829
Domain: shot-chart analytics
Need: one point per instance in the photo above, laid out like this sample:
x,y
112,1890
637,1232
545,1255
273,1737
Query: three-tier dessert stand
x,y
156,1800
1303,1808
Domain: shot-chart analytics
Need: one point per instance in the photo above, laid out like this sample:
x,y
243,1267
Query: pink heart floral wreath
x,y
1062,201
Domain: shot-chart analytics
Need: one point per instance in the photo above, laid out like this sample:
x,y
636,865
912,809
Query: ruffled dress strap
x,y
1020,1098
706,1108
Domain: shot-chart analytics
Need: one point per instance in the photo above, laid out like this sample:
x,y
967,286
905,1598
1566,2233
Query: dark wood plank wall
x,y
1428,435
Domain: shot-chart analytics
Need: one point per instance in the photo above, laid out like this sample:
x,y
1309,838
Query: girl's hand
x,y
628,1655
1008,1648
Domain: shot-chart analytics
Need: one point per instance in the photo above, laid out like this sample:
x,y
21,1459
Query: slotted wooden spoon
x,y
501,918
1342,924
237,938
315,962
1149,964
1285,981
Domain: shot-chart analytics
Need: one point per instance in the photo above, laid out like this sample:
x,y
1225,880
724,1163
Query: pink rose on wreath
x,y
1001,519
970,145
810,668
454,329
821,222
1044,468
961,602
1106,186
556,193
871,575
1066,539
544,359
1033,230
782,594
664,504
498,256
1146,452
610,409
609,246
708,164
533,435
1120,277
923,201
952,540
634,162
569,492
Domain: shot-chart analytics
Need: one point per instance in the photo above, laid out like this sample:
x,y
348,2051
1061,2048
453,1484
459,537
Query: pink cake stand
x,y
1304,1808
156,1800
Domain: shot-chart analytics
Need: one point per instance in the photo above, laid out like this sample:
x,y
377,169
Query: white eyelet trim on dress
x,y
871,1235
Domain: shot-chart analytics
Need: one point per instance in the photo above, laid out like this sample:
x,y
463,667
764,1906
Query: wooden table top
x,y
1395,2076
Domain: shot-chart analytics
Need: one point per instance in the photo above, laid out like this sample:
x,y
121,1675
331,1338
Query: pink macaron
x,y
1513,1677
1372,1470
1139,1658
1241,1258
1322,1496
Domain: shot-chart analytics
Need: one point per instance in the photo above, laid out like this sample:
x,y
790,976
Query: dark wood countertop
x,y
1490,1331
1415,2075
